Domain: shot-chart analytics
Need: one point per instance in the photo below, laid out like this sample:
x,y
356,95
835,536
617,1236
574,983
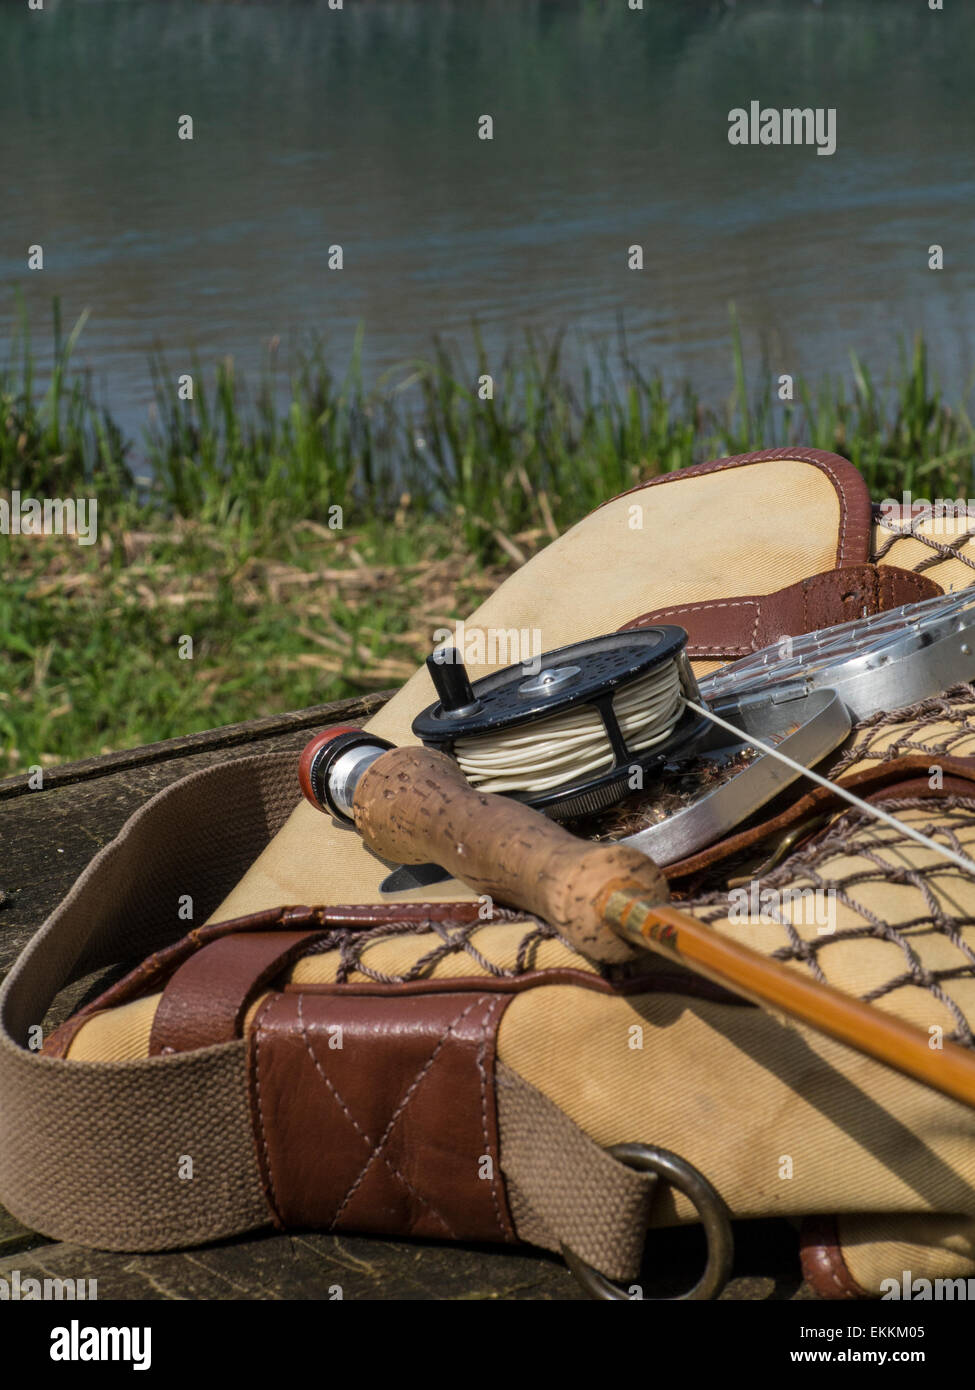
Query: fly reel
x,y
566,738
567,733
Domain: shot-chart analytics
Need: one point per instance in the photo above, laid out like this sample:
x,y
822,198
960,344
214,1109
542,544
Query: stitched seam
x,y
392,907
713,652
711,605
402,1106
481,1052
696,607
260,1107
362,1134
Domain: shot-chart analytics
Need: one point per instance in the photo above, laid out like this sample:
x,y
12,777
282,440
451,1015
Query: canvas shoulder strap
x,y
91,1152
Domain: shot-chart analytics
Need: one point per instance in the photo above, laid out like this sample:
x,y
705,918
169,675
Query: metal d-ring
x,y
709,1205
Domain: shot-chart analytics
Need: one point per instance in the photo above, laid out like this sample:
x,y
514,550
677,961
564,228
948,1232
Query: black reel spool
x,y
586,674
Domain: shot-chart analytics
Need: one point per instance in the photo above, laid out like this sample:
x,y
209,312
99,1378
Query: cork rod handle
x,y
414,805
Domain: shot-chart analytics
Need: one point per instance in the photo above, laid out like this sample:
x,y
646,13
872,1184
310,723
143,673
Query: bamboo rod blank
x,y
772,985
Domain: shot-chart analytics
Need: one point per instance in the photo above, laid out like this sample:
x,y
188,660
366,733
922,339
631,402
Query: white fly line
x,y
567,747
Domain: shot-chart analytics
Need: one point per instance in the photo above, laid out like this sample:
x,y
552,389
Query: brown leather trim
x,y
888,779
378,914
379,1114
729,628
672,981
823,1266
920,788
205,1000
853,542
58,1044
150,974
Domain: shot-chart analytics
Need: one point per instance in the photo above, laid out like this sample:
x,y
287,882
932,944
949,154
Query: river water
x,y
315,127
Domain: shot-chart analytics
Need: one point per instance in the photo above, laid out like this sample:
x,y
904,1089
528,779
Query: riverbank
x,y
309,540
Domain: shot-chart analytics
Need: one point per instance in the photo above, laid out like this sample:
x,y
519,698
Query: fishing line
x,y
566,733
866,807
566,748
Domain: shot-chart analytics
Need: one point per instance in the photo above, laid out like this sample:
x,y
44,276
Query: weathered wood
x,y
14,1236
46,839
312,1265
355,710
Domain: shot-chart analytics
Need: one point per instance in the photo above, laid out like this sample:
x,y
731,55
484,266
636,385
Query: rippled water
x,y
358,127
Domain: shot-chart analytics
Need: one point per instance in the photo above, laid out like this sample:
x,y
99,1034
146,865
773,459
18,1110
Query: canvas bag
x,y
533,1028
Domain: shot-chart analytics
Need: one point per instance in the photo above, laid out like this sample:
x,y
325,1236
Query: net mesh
x,y
437,942
862,906
868,910
942,551
937,728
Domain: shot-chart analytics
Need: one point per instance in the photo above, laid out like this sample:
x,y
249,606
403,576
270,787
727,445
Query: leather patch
x,y
151,974
206,998
729,628
378,1113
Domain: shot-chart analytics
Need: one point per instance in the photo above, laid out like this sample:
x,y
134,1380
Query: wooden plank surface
x,y
46,839
312,1265
48,836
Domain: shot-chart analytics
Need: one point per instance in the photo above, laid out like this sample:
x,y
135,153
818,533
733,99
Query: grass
x,y
310,534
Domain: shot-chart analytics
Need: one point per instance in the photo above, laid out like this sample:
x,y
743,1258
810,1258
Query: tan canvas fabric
x,y
780,1120
877,1248
792,1109
123,1033
940,547
117,1035
844,957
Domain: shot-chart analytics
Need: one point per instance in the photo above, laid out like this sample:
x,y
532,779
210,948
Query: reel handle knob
x,y
451,681
414,805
